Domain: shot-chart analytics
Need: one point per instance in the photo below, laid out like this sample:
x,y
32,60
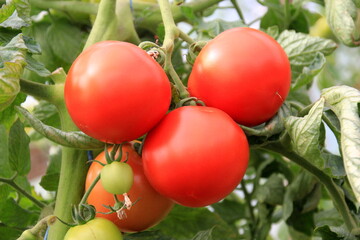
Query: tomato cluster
x,y
194,155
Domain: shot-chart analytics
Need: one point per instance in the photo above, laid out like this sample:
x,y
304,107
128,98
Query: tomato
x,y
115,91
96,229
150,208
196,155
243,72
117,177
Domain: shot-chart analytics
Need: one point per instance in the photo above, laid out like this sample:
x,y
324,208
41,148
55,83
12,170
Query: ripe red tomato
x,y
243,72
95,229
195,155
151,207
116,92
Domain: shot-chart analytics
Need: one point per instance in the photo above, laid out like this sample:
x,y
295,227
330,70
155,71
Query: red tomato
x,y
151,207
195,155
116,92
243,72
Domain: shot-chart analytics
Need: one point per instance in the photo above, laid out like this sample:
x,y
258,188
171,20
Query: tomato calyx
x,y
154,51
194,50
190,101
119,206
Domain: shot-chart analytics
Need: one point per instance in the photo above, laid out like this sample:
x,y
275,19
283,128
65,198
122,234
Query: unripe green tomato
x,y
96,229
27,235
321,29
117,177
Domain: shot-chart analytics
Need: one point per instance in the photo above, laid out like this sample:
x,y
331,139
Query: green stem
x,y
113,22
248,203
171,33
39,90
68,6
186,37
72,179
88,191
238,10
334,191
13,184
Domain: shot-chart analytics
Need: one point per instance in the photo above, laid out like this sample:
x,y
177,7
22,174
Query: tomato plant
x,y
243,87
150,206
100,84
195,155
243,72
98,228
117,177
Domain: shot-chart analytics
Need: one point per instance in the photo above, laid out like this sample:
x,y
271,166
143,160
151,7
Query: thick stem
x,y
287,14
71,182
39,90
335,192
113,22
13,184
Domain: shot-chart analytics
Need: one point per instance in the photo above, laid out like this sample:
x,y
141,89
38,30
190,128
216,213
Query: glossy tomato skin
x,y
95,229
150,208
117,177
195,155
243,72
116,92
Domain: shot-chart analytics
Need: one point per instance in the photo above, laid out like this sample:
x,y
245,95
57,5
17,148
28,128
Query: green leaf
x,y
334,233
36,67
17,19
272,192
6,11
344,102
47,113
341,16
209,30
204,235
12,63
19,152
5,170
302,186
66,40
147,235
305,134
75,139
303,52
335,164
328,217
231,211
309,72
194,220
50,180
13,215
9,115
9,232
23,10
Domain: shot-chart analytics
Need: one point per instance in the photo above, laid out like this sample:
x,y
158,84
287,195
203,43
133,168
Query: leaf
x,y
335,164
75,139
194,220
303,185
328,217
303,51
5,170
147,235
9,115
17,19
344,102
6,11
13,215
272,192
50,180
341,16
19,152
309,72
231,211
204,235
47,113
9,232
209,30
334,233
305,134
12,63
66,40
36,67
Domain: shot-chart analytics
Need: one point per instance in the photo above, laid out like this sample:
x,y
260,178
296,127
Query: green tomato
x,y
117,177
96,229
